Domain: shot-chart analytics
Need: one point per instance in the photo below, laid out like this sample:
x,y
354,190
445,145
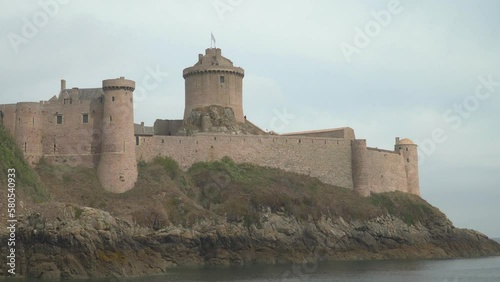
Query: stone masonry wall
x,y
344,133
327,159
167,127
386,171
73,142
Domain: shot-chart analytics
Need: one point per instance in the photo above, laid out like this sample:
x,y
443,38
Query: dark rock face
x,y
91,243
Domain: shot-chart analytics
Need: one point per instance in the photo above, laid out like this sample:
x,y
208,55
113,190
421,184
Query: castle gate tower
x,y
117,168
410,154
213,80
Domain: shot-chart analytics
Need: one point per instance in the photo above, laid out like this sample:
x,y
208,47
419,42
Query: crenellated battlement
x,y
118,84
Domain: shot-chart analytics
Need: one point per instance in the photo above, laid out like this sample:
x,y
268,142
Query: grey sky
x,y
419,70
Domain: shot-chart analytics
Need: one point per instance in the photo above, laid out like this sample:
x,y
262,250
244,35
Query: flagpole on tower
x,y
212,41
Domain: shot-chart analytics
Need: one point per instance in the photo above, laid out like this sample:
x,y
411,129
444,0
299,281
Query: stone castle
x,y
95,128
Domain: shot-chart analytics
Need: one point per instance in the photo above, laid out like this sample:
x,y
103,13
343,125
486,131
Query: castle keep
x,y
95,128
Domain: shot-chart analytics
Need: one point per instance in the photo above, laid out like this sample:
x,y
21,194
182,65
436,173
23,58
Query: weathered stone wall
x,y
410,159
360,166
73,142
386,172
213,80
344,132
117,168
205,89
328,159
167,127
28,131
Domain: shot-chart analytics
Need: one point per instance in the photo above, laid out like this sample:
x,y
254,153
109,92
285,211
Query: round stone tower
x,y
28,133
360,167
410,156
117,168
213,80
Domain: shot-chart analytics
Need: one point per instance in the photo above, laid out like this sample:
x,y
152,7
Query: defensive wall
x,y
327,159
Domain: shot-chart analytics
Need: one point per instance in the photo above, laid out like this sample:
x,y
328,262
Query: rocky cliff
x,y
69,241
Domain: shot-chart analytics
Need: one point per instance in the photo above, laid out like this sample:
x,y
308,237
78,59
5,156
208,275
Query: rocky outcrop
x,y
216,119
85,242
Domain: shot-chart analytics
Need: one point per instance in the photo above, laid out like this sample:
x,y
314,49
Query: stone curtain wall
x,y
344,133
167,127
386,172
73,142
327,159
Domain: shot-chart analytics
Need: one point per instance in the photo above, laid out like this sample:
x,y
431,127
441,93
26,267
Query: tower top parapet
x,y
118,83
213,61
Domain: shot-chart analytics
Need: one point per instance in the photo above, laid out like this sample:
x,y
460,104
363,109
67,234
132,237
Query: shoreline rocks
x,y
87,242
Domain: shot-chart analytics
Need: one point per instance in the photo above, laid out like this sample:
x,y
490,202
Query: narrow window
x,y
113,98
407,160
221,79
33,121
85,118
25,145
137,140
110,118
59,119
407,149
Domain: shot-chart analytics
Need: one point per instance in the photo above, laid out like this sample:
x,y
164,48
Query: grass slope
x,y
27,181
164,194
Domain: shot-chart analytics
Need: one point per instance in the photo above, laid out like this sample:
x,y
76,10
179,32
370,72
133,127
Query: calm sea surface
x,y
458,270
482,269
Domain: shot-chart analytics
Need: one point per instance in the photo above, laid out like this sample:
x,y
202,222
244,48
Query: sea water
x,y
452,270
456,270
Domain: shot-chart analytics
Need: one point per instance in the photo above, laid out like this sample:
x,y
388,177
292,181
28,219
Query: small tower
x,y
213,80
117,168
409,152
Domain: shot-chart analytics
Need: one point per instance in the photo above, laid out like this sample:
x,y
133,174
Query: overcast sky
x,y
426,70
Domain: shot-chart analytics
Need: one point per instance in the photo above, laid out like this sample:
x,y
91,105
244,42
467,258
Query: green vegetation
x,y
27,179
410,208
170,165
164,195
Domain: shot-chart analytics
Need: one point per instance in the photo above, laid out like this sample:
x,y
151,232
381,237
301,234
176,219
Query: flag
x,y
213,38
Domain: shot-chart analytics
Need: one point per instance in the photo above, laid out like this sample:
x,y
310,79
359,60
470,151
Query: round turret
x,y
117,168
409,152
213,80
360,167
